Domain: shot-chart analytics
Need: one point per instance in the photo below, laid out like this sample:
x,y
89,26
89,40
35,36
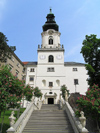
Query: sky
x,y
22,20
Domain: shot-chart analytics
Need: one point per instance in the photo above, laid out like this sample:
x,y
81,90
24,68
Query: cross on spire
x,y
50,10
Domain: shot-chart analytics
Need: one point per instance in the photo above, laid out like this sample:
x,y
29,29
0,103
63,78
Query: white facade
x,y
50,72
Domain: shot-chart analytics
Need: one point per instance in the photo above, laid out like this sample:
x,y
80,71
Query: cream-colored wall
x,y
81,75
45,38
46,54
31,74
64,74
13,63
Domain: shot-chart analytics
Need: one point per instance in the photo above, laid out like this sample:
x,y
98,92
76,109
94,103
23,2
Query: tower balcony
x,y
50,48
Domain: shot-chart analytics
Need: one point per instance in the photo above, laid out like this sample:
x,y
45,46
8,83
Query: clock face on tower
x,y
42,57
59,57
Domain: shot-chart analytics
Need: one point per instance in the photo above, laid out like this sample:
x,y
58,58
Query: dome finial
x,y
50,10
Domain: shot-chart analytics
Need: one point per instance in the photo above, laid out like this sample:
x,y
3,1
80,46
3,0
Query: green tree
x,y
5,50
91,53
37,92
12,90
90,104
63,90
28,92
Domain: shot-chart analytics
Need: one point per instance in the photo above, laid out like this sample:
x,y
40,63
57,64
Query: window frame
x,y
76,82
18,65
12,58
51,58
17,72
75,69
50,69
30,78
32,70
11,67
50,84
50,40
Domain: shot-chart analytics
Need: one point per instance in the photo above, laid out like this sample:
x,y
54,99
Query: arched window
x,y
43,83
57,83
50,41
51,58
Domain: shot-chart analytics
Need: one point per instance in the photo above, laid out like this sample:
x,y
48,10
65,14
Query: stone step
x,y
48,131
50,119
59,130
48,126
41,111
48,122
50,107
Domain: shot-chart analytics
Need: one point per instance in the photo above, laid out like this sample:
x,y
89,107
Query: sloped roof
x,y
30,63
65,63
25,63
73,63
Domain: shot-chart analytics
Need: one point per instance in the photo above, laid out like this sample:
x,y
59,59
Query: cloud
x,y
73,51
73,54
2,8
83,8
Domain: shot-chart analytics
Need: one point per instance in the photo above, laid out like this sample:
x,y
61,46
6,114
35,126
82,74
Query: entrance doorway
x,y
50,100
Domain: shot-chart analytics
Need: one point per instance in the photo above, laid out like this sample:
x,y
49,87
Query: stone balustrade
x,y
23,119
77,124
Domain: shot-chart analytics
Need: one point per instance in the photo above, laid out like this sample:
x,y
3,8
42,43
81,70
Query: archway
x,y
50,100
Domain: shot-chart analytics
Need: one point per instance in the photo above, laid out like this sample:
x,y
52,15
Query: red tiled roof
x,y
25,63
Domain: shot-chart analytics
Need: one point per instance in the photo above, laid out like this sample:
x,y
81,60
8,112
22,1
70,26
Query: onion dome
x,y
50,23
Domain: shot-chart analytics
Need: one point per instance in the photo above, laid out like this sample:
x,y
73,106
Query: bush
x,y
64,89
90,104
37,92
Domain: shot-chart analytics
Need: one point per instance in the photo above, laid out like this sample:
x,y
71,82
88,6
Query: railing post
x,y
83,122
11,130
66,96
12,122
12,119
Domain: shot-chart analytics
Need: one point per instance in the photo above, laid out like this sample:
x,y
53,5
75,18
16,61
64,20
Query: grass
x,y
6,124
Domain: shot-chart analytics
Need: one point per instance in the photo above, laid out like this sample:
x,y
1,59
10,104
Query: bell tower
x,y
50,34
50,68
50,40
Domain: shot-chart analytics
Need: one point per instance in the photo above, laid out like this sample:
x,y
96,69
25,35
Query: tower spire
x,y
50,23
50,10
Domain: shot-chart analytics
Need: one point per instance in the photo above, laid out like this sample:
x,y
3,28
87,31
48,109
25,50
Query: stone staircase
x,y
50,119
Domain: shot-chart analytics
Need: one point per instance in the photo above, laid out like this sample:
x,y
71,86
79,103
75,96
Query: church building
x,y
50,72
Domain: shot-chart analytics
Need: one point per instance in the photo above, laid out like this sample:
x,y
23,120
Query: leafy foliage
x,y
91,54
90,104
64,89
37,92
5,50
12,90
28,92
6,124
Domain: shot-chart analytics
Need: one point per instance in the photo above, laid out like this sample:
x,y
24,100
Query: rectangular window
x,y
11,67
31,78
50,92
18,65
75,81
12,58
74,69
17,72
23,77
50,69
50,84
23,70
32,70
